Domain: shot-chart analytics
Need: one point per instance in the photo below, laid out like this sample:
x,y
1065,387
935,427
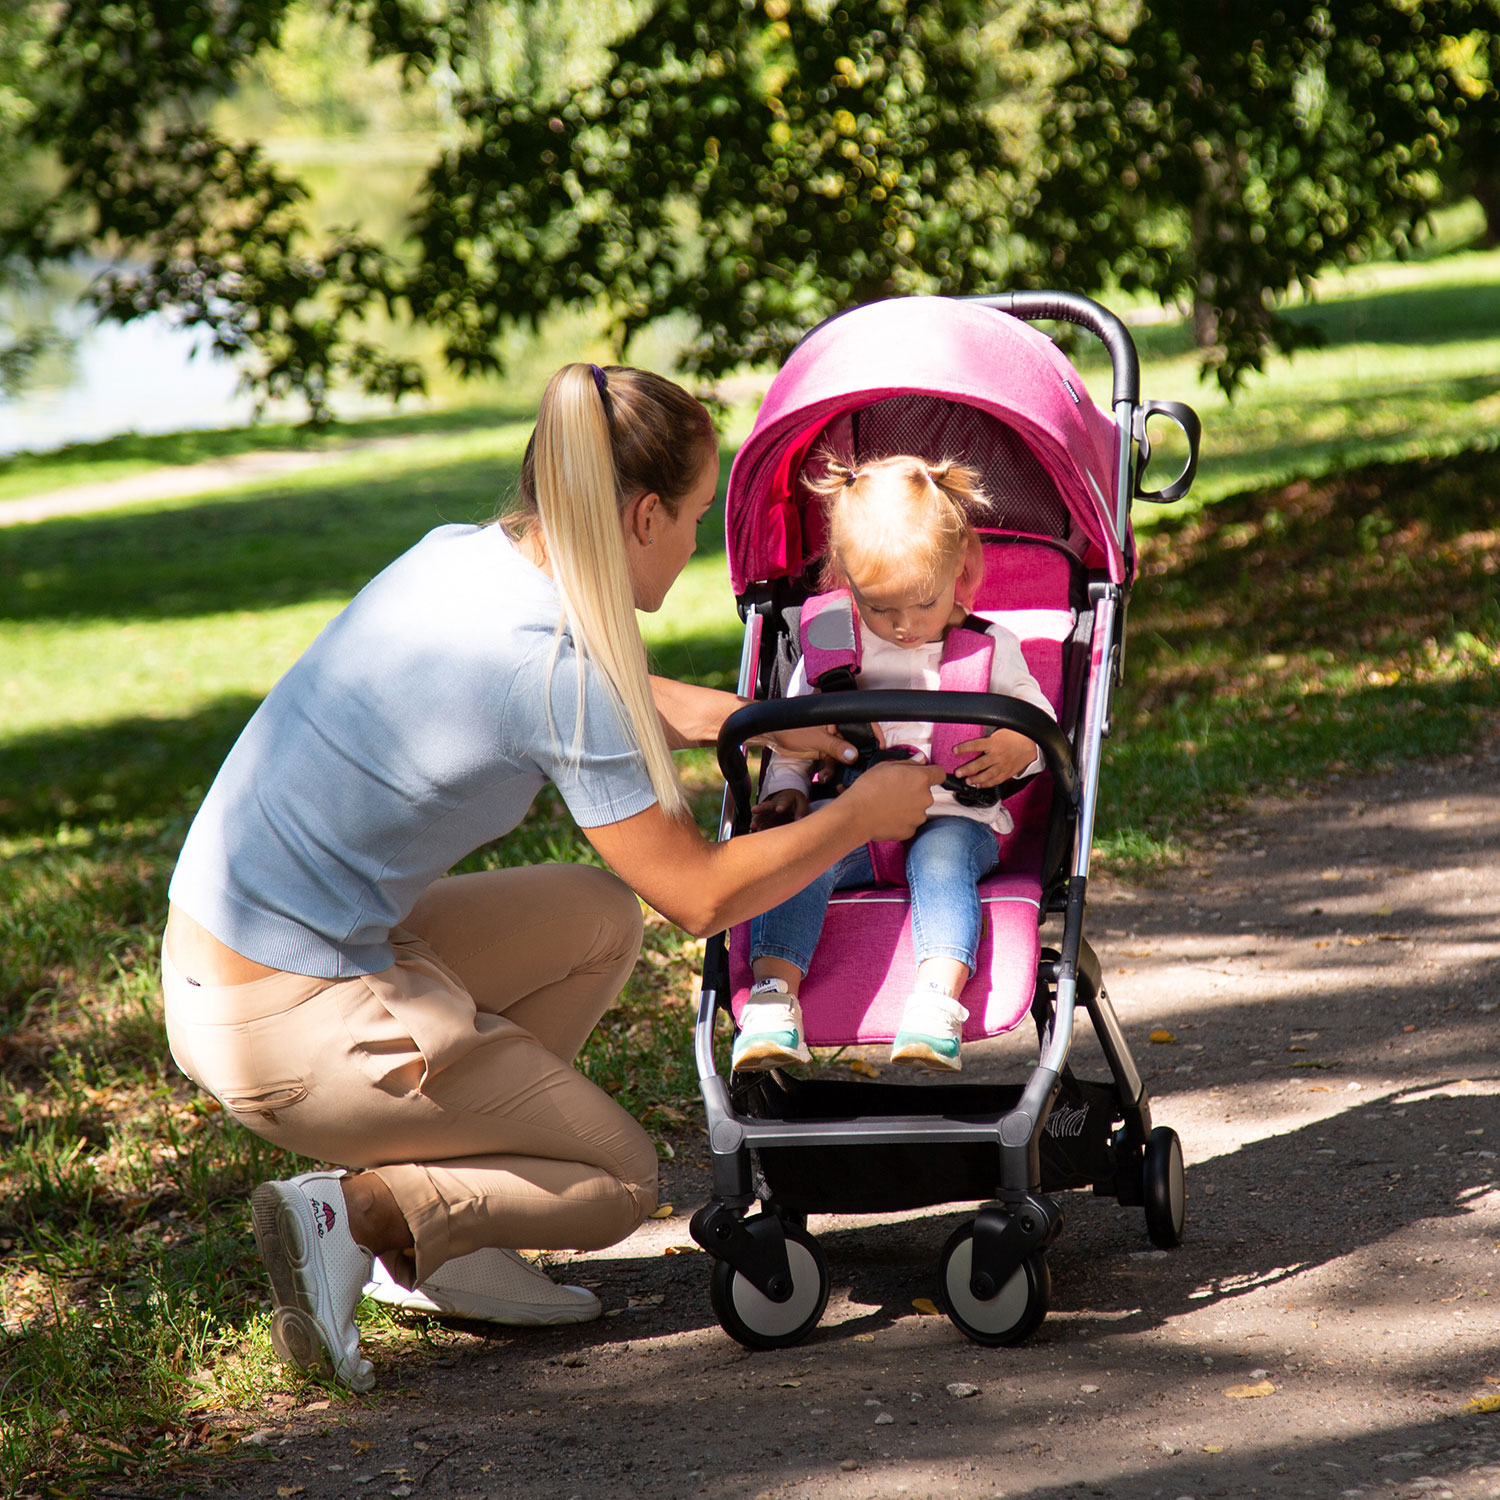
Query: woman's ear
x,y
642,516
971,575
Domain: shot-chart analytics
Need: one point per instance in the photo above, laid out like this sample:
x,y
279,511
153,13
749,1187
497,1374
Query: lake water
x,y
145,376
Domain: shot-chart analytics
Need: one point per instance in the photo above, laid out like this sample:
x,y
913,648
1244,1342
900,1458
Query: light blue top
x,y
413,730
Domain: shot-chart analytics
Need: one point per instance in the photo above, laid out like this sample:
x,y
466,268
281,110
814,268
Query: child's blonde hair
x,y
602,439
898,522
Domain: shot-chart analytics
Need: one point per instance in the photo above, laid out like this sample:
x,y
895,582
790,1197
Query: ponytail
x,y
574,486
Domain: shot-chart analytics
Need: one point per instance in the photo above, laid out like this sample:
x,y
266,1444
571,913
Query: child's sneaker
x,y
491,1286
931,1028
770,1034
317,1273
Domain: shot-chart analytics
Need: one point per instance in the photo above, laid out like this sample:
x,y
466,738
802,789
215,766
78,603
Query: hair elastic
x,y
600,380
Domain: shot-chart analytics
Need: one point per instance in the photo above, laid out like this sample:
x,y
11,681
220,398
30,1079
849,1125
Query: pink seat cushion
x,y
864,970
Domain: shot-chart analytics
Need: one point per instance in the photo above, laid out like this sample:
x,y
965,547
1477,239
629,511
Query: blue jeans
x,y
945,862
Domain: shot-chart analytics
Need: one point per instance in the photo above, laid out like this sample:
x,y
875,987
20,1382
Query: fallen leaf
x,y
864,1069
1483,1404
680,1250
926,1306
1322,943
864,1338
361,1445
791,1385
1247,1392
1213,1447
290,1489
1161,1035
664,1212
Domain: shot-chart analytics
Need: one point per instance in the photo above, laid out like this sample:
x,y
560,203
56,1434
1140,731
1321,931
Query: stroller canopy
x,y
943,379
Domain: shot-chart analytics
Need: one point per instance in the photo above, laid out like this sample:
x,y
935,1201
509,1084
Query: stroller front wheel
x,y
1013,1314
747,1314
1165,1183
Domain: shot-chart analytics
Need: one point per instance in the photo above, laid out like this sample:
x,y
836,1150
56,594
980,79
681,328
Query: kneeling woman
x,y
345,999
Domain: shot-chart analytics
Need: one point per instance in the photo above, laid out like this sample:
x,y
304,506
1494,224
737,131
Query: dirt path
x,y
1330,970
176,482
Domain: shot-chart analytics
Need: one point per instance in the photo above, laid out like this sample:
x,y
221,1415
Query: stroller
x,y
966,379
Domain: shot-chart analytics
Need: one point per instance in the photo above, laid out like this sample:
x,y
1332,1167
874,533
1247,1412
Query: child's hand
x,y
786,806
999,756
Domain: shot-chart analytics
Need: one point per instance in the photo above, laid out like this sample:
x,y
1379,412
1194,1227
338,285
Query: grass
x,y
1324,619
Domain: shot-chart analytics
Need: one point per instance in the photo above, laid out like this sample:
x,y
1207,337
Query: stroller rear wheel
x,y
747,1314
1013,1314
1165,1183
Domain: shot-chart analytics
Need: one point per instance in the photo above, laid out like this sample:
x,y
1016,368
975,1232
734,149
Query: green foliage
x,y
1216,156
755,167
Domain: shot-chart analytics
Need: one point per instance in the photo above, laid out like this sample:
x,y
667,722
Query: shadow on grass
x,y
263,548
120,772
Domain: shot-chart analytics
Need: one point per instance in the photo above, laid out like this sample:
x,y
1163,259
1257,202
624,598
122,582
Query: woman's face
x,y
659,544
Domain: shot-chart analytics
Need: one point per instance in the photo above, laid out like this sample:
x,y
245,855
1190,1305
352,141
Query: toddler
x,y
900,541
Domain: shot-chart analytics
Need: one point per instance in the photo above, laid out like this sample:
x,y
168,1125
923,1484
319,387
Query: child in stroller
x,y
907,562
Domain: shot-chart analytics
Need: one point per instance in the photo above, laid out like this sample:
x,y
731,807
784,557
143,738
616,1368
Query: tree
x,y
1218,155
754,167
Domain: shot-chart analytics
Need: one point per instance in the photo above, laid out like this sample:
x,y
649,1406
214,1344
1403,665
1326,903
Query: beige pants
x,y
449,1074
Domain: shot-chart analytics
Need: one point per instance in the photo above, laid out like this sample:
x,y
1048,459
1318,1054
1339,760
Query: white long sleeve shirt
x,y
883,666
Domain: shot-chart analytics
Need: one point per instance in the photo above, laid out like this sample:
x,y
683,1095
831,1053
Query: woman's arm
x,y
706,887
694,715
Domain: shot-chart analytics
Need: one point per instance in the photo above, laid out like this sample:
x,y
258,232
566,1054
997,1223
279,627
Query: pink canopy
x,y
944,379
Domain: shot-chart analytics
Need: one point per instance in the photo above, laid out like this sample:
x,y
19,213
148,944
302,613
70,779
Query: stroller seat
x,y
864,967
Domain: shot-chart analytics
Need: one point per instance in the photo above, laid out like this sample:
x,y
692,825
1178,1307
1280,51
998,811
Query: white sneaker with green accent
x,y
770,1034
316,1271
489,1286
932,1026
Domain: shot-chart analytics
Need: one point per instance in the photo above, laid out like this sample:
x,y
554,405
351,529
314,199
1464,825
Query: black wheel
x,y
1165,1184
750,1316
1013,1314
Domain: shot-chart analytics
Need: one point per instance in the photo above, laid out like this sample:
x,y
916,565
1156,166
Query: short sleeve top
x,y
418,726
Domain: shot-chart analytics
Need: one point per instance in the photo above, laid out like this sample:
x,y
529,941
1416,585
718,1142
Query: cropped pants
x,y
449,1074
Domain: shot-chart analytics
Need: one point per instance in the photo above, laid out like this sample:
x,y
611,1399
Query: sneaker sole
x,y
510,1314
295,1334
915,1055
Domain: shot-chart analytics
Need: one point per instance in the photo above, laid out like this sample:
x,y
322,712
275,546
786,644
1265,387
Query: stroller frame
x,y
835,1146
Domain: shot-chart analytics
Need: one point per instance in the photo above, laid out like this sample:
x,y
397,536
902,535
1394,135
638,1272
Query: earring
x,y
650,541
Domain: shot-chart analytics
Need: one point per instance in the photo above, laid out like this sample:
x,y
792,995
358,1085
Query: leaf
x,y
1161,1035
864,1069
864,1338
664,1212
1483,1404
1249,1392
926,1306
290,1489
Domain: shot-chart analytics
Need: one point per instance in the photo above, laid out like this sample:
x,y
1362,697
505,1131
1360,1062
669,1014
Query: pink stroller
x,y
968,380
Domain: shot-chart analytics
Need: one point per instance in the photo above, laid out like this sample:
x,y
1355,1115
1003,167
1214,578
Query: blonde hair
x,y
898,521
602,439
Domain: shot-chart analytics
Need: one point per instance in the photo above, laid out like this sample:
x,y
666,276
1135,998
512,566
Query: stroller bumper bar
x,y
991,710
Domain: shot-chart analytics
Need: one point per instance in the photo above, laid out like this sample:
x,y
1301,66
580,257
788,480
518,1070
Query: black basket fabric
x,y
886,1177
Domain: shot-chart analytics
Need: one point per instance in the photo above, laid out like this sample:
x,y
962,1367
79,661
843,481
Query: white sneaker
x,y
316,1271
770,1034
932,1026
490,1286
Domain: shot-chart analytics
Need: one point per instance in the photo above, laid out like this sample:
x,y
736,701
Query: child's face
x,y
906,617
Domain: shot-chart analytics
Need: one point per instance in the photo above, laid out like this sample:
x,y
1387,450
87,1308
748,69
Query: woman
x,y
344,1001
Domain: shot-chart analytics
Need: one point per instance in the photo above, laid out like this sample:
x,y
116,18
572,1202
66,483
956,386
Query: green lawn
x,y
1326,605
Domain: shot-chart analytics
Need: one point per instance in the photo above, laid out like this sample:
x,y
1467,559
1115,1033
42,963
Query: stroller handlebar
x,y
993,710
1073,307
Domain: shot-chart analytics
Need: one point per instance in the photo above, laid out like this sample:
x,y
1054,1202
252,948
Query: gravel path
x,y
1330,971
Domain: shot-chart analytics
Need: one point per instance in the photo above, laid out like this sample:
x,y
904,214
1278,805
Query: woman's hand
x,y
999,756
785,806
891,798
820,742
